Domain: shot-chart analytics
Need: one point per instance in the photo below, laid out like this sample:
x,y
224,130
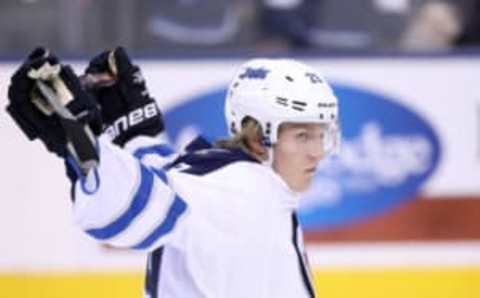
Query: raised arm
x,y
124,201
117,198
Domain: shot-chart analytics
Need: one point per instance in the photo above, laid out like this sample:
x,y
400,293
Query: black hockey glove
x,y
48,102
119,88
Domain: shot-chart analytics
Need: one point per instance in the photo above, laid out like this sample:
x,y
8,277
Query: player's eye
x,y
301,136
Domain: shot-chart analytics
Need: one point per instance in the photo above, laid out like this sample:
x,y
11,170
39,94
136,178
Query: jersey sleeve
x,y
126,202
152,151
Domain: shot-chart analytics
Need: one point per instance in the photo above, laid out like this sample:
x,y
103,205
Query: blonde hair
x,y
250,130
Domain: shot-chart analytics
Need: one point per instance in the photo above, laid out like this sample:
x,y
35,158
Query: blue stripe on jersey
x,y
177,208
138,203
73,165
97,183
160,174
162,150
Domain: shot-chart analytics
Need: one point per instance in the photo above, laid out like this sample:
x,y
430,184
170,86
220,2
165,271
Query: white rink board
x,y
35,223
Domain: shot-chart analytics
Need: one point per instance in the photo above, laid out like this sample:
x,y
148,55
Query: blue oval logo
x,y
388,152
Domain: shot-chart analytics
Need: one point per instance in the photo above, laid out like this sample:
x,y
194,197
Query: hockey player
x,y
217,220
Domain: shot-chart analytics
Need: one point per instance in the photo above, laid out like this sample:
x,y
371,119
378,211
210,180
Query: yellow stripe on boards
x,y
398,283
71,285
334,283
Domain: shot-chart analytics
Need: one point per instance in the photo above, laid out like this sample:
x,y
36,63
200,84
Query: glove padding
x,y
119,88
31,110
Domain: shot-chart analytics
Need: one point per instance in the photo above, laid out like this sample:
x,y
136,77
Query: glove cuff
x,y
145,120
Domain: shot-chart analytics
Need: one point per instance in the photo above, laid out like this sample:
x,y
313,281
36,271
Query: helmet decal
x,y
254,73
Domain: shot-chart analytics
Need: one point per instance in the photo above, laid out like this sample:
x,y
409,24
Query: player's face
x,y
298,151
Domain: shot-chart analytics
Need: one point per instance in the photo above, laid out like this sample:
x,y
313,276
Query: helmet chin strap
x,y
269,161
269,146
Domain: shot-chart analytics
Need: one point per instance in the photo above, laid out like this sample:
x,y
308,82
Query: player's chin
x,y
303,185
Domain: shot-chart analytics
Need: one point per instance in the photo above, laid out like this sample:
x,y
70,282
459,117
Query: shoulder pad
x,y
206,158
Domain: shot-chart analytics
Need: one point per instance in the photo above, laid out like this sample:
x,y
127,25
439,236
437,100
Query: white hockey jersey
x,y
215,222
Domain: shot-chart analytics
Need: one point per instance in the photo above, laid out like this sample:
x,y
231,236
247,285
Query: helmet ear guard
x,y
276,91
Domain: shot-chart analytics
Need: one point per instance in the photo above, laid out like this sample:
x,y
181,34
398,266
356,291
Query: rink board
x,y
369,283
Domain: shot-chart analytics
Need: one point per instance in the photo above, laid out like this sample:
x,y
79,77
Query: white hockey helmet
x,y
276,91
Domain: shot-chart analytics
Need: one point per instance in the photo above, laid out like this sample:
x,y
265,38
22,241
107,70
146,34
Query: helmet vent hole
x,y
289,78
282,101
321,116
299,105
